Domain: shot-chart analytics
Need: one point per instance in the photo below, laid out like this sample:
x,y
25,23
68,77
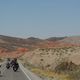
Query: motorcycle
x,y
7,65
15,67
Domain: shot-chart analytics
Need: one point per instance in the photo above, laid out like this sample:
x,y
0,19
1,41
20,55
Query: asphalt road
x,y
21,74
9,74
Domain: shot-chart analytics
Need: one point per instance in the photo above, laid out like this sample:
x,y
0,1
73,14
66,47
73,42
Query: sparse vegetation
x,y
42,59
54,63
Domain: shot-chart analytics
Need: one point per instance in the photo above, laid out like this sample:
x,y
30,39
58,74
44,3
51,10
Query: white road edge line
x,y
22,68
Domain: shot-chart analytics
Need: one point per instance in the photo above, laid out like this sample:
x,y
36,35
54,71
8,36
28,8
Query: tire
x,y
15,69
8,66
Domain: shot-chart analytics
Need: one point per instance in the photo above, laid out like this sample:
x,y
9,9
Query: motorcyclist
x,y
15,64
0,69
8,63
14,61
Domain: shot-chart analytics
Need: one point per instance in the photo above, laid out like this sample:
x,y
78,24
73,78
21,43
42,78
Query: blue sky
x,y
39,18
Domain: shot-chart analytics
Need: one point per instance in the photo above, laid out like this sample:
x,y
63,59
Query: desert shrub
x,y
41,59
74,75
66,67
48,65
47,53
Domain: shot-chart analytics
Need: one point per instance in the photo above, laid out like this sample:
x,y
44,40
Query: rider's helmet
x,y
15,59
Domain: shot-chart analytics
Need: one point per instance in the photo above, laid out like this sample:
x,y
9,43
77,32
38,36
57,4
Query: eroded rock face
x,y
4,53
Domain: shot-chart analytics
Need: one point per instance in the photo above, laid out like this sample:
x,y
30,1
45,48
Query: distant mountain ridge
x,y
72,40
55,38
11,43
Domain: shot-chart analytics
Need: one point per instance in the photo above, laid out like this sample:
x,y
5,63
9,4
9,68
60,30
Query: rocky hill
x,y
71,40
55,38
49,58
13,43
32,42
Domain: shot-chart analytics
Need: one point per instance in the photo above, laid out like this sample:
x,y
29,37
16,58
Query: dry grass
x,y
50,74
